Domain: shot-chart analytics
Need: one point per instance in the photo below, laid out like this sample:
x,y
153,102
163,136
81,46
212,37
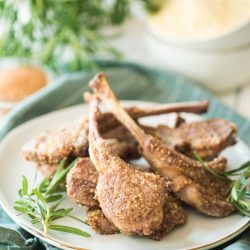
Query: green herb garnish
x,y
42,203
207,168
239,193
63,34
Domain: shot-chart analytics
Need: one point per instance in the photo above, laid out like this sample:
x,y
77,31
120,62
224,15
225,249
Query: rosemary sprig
x,y
207,168
41,204
239,193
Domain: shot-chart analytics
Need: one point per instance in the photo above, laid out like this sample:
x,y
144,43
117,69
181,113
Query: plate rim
x,y
57,243
67,246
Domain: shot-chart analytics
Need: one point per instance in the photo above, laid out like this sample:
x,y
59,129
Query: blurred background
x,y
204,40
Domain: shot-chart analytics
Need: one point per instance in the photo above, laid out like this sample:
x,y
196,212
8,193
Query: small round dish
x,y
12,86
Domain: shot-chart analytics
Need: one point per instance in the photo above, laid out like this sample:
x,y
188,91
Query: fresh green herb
x,y
68,229
63,34
154,5
238,170
42,203
239,193
207,168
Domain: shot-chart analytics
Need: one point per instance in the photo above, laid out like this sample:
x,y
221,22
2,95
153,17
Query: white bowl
x,y
218,70
220,63
236,37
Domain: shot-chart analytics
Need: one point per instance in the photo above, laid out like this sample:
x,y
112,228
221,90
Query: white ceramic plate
x,y
200,232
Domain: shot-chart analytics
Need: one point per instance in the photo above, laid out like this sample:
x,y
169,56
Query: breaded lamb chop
x,y
71,140
174,215
81,184
169,163
82,179
132,200
208,138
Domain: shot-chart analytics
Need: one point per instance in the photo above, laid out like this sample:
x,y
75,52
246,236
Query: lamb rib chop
x,y
81,185
81,182
168,162
132,200
174,215
71,140
207,138
136,202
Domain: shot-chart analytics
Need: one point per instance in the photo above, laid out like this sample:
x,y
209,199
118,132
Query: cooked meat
x,y
99,223
70,140
207,138
132,200
168,162
81,182
122,143
174,215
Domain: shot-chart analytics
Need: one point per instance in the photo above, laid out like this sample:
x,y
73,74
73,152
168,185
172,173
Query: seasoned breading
x,y
174,215
99,223
70,140
208,138
81,182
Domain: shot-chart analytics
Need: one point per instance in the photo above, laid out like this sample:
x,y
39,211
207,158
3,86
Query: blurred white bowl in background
x,y
235,37
218,70
220,64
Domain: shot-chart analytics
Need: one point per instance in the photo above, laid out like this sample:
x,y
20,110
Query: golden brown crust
x,y
187,186
81,182
174,215
70,140
99,223
208,138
